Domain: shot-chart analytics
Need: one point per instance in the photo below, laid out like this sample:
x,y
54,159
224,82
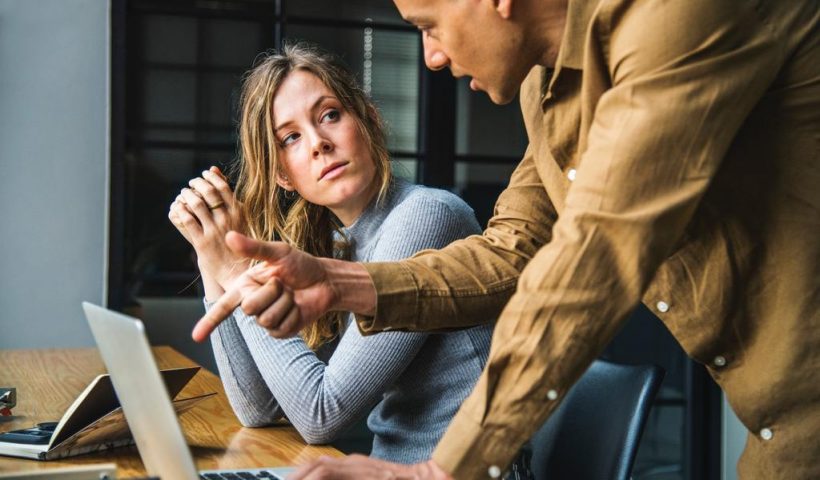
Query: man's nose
x,y
434,57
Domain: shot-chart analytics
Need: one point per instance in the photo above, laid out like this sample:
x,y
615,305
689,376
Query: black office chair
x,y
595,432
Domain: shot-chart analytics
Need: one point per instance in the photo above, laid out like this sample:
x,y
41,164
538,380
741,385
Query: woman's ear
x,y
284,181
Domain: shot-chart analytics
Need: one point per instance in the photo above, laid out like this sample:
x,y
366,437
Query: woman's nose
x,y
322,147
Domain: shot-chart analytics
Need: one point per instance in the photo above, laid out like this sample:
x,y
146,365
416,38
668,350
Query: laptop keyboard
x,y
239,475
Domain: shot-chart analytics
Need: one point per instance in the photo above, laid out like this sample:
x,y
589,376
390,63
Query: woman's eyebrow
x,y
315,104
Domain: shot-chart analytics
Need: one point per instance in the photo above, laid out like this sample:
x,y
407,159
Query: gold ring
x,y
214,207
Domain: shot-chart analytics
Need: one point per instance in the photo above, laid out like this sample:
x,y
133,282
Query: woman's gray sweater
x,y
417,381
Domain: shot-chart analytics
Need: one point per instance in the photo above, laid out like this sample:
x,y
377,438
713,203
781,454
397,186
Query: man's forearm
x,y
353,289
469,281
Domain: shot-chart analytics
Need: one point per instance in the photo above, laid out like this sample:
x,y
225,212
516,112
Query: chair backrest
x,y
595,432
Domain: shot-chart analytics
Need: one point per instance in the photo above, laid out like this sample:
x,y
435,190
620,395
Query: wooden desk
x,y
48,381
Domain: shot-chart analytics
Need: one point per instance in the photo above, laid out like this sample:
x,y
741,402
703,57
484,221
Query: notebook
x,y
92,423
145,401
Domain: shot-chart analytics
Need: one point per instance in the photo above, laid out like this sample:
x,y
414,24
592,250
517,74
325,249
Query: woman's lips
x,y
332,171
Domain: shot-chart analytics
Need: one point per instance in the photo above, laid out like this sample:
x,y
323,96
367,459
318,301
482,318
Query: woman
x,y
315,173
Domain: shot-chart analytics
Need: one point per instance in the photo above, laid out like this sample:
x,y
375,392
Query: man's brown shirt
x,y
673,159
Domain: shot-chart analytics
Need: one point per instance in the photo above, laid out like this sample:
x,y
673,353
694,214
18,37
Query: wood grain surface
x,y
48,381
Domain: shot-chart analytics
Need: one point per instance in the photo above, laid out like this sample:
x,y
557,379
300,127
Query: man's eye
x,y
288,139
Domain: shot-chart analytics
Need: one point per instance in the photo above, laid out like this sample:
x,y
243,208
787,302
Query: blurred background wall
x,y
54,68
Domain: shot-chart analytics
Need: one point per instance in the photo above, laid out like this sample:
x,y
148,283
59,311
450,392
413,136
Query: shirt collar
x,y
579,15
573,42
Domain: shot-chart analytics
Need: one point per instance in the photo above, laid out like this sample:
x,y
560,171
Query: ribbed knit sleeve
x,y
250,398
321,400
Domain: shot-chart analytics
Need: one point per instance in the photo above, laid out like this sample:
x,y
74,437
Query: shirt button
x,y
571,174
552,394
766,434
494,471
662,306
719,361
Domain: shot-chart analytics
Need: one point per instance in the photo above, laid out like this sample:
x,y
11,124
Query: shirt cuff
x,y
397,298
471,450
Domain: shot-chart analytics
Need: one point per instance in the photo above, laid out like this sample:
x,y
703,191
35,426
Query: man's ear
x,y
504,8
283,181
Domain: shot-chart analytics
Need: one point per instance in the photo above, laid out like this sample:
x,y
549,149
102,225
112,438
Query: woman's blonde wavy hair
x,y
268,213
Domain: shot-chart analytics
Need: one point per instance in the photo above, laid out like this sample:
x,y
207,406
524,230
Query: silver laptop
x,y
127,355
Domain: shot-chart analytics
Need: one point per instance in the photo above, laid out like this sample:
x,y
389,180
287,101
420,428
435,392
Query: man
x,y
673,158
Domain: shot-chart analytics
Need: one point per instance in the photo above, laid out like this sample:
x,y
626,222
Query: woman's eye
x,y
288,139
331,116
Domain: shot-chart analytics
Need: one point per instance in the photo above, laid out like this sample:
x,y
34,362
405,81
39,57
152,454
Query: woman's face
x,y
323,155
